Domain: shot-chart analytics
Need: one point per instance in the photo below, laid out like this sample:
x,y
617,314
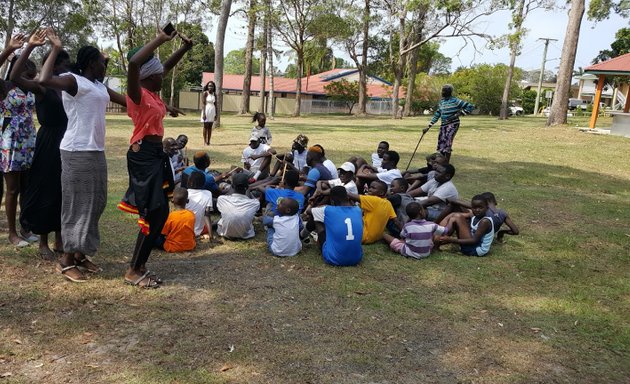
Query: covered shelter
x,y
618,66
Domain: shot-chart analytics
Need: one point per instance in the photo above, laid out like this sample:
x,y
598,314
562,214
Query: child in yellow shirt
x,y
377,211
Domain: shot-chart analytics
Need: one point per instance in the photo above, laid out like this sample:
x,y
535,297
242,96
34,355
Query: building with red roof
x,y
312,86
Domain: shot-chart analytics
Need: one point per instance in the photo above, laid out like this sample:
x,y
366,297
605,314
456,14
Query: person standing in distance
x,y
449,109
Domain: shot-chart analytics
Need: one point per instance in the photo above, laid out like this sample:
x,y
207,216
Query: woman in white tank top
x,y
209,111
82,150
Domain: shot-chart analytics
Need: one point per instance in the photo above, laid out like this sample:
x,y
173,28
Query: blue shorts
x,y
433,213
470,250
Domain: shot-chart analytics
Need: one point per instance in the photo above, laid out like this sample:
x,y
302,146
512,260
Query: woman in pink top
x,y
150,175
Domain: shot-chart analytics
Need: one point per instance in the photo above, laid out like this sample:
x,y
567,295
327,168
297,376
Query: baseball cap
x,y
302,140
240,179
348,167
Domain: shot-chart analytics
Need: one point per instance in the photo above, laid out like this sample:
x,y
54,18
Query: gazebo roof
x,y
619,65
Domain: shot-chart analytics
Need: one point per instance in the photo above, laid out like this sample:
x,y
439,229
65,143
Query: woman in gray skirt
x,y
83,164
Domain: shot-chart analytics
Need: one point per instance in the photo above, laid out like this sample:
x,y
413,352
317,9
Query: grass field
x,y
549,306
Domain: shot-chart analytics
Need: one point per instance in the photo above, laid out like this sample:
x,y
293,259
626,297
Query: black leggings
x,y
145,243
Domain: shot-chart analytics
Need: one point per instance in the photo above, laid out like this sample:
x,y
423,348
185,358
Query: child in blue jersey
x,y
474,236
448,110
339,229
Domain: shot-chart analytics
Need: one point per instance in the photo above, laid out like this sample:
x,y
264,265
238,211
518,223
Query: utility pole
x,y
542,73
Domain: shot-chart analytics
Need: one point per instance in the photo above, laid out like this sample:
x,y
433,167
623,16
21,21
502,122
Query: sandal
x,y
86,265
31,238
21,244
149,282
64,271
154,277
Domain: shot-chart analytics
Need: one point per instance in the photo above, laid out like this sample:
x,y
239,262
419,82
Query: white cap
x,y
348,167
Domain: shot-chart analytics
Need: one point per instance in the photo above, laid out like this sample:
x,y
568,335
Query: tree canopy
x,y
235,63
619,47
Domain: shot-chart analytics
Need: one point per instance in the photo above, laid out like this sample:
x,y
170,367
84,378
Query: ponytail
x,y
85,56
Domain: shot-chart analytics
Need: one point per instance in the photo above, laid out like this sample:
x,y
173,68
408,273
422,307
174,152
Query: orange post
x,y
598,97
626,108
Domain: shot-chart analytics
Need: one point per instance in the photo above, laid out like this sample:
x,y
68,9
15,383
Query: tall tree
x,y
298,22
198,60
482,85
560,103
354,38
69,18
598,10
431,20
249,53
520,11
263,64
234,62
226,6
270,53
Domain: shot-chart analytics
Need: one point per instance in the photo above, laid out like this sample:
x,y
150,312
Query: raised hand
x,y
17,41
53,38
38,38
164,37
187,41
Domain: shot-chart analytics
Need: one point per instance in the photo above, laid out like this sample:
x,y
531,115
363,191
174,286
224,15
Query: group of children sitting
x,y
305,197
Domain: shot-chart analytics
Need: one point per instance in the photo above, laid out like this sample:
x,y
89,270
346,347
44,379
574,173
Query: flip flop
x,y
149,284
31,239
60,268
154,277
22,244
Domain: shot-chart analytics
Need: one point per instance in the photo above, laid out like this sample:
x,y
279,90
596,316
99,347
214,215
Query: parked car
x,y
577,104
516,110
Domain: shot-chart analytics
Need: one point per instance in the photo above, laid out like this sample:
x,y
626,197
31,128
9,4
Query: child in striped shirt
x,y
417,235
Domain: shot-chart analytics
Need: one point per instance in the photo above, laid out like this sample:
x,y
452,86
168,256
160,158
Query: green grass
x,y
551,305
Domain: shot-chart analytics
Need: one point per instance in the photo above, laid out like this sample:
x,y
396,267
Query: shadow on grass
x,y
547,306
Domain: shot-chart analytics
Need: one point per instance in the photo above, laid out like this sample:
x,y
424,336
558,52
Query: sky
x,y
540,23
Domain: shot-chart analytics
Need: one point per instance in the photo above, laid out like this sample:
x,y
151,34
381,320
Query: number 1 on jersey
x,y
348,222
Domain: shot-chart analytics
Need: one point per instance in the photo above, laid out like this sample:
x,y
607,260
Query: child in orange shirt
x,y
178,234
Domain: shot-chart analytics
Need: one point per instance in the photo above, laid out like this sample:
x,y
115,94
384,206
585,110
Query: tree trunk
x,y
411,80
399,64
560,105
503,113
271,105
249,52
515,41
263,72
298,85
226,5
395,103
173,72
8,32
363,95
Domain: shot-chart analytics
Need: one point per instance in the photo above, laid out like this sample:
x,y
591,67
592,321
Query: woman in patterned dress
x,y
17,142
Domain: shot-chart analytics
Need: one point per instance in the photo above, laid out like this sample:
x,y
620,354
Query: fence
x,y
284,106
